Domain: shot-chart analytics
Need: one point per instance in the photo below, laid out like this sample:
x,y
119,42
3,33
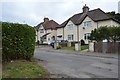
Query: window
x,y
70,26
41,31
70,37
88,24
86,36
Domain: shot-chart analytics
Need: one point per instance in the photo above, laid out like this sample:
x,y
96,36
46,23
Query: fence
x,y
106,47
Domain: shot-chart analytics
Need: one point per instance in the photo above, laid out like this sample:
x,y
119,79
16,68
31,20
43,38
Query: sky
x,y
32,12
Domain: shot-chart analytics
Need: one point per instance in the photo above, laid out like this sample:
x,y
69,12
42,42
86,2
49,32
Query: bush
x,y
18,41
82,42
63,44
58,47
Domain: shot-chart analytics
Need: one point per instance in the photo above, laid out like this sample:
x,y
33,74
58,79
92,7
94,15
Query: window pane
x,y
87,23
70,37
41,31
85,36
70,26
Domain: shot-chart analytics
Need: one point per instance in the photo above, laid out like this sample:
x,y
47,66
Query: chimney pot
x,y
85,9
46,19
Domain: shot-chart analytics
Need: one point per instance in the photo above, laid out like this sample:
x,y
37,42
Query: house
x,y
79,26
46,31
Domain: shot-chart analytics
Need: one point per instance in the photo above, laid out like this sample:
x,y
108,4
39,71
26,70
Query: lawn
x,y
23,69
83,47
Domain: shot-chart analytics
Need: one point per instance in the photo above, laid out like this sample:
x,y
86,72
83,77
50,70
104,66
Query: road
x,y
66,64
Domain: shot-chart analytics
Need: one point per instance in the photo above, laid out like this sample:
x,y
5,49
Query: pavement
x,y
77,64
85,52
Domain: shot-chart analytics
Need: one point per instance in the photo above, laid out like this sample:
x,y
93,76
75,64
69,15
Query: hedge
x,y
18,41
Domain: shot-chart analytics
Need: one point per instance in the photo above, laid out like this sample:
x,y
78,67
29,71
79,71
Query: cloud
x,y
32,12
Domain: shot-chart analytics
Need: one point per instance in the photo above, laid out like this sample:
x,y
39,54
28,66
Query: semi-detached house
x,y
79,26
76,28
46,31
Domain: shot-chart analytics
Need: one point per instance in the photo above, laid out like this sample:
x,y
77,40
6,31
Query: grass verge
x,y
23,69
83,47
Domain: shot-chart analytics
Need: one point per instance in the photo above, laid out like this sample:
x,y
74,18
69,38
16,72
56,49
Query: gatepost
x,y
78,46
55,45
104,46
91,46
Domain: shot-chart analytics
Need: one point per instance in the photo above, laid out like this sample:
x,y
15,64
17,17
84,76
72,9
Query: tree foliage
x,y
114,15
105,32
18,41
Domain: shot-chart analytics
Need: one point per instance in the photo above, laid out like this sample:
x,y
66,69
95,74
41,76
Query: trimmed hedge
x,y
18,41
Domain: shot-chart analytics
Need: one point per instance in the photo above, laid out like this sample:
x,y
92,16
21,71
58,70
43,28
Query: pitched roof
x,y
95,15
51,24
37,27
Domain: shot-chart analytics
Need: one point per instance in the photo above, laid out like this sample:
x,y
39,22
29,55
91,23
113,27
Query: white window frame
x,y
71,37
88,23
86,36
41,30
70,26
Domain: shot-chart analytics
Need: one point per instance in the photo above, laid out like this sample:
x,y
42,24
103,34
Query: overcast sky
x,y
32,12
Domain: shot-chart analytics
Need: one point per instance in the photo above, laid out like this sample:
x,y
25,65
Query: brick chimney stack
x,y
46,19
85,9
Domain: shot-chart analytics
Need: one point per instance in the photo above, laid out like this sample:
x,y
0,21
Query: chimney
x,y
46,19
85,9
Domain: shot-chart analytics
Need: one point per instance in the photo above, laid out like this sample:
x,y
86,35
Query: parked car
x,y
54,41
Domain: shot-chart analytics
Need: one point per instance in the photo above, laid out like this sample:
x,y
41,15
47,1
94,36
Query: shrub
x,y
58,47
18,41
63,44
82,42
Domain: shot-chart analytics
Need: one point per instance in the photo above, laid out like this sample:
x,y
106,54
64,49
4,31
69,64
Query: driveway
x,y
62,63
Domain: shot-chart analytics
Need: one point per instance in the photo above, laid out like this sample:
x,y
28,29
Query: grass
x,y
68,48
23,69
83,47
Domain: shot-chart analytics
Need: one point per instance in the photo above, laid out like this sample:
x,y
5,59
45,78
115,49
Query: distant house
x,y
79,26
46,31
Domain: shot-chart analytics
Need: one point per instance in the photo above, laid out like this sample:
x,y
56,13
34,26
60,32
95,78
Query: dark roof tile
x,y
95,15
51,24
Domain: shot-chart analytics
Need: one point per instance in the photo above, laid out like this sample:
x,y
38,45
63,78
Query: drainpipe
x,y
77,33
63,33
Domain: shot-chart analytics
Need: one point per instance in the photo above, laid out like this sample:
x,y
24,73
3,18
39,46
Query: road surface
x,y
66,64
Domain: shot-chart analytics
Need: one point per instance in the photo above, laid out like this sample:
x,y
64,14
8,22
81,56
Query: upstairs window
x,y
70,26
88,24
41,31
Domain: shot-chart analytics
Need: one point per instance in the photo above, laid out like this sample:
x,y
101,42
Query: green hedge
x,y
18,41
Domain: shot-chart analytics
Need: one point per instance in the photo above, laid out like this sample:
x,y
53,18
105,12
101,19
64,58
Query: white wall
x,y
60,32
107,23
68,31
94,25
87,29
40,34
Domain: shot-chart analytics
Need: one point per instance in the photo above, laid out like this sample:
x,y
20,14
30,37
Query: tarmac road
x,y
62,63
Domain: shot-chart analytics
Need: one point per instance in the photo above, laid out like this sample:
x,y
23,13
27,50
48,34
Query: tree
x,y
104,32
114,15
